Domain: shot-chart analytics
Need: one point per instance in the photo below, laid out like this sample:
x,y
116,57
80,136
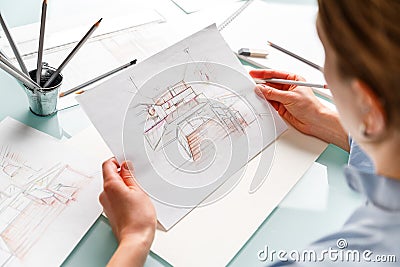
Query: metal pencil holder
x,y
43,102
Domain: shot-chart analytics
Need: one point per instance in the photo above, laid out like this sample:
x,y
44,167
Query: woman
x,y
361,39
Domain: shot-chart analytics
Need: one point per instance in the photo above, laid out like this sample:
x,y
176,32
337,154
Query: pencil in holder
x,y
43,101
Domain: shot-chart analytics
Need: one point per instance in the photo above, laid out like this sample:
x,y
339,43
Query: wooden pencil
x,y
73,52
72,90
312,64
290,82
41,42
13,46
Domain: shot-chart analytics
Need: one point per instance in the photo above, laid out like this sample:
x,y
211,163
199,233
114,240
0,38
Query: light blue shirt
x,y
372,233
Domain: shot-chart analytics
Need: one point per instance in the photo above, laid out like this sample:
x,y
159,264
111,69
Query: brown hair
x,y
365,35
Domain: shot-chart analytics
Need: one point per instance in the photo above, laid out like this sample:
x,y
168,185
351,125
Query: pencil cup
x,y
43,102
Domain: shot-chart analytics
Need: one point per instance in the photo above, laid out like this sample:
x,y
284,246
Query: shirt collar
x,y
381,191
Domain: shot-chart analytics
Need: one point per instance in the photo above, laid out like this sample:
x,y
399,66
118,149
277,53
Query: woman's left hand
x,y
131,213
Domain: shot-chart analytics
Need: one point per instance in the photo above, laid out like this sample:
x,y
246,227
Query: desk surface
x,y
285,228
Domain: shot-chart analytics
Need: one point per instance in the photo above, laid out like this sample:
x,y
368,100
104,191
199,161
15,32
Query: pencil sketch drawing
x,y
31,197
191,108
185,114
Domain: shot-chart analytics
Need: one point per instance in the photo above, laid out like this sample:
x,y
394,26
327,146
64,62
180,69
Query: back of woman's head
x,y
365,35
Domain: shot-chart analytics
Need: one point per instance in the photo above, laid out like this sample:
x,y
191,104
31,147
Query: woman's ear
x,y
373,117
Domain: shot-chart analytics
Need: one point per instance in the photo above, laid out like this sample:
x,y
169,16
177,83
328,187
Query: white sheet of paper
x,y
311,192
190,66
211,235
49,197
90,140
190,6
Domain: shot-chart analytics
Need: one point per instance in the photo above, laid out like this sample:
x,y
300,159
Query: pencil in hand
x,y
290,82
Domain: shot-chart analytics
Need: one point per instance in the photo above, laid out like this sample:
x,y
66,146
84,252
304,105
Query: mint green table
x,y
284,229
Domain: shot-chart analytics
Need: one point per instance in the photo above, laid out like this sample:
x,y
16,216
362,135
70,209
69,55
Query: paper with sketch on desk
x,y
65,29
187,117
48,197
100,54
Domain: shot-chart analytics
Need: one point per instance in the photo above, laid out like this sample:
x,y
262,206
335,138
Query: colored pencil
x,y
41,42
17,74
296,56
13,46
70,91
73,52
290,82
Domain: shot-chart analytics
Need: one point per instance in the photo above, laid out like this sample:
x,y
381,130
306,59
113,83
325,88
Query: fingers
x,y
102,198
110,169
272,94
269,73
127,173
274,104
111,174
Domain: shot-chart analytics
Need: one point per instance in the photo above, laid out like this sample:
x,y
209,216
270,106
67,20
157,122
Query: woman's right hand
x,y
300,107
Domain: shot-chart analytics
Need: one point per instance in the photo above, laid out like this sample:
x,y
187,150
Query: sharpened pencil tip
x,y
61,95
269,43
97,23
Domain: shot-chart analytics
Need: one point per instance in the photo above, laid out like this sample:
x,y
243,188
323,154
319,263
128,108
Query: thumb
x,y
270,93
126,173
